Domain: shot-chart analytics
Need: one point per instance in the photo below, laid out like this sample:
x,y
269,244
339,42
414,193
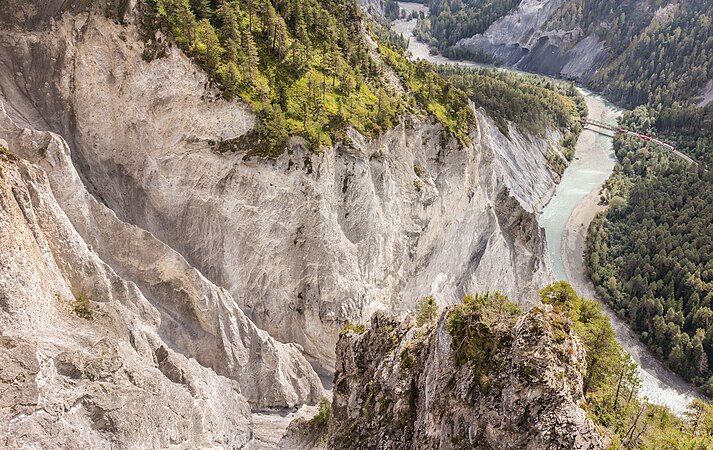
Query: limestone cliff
x,y
304,242
522,39
108,335
71,382
375,7
401,386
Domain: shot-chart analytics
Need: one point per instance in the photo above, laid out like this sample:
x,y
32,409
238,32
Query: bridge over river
x,y
596,124
567,217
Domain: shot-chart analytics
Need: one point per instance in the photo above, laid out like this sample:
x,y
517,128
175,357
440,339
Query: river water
x,y
566,218
592,165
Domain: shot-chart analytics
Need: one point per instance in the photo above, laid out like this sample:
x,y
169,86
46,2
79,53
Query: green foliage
x,y
452,20
432,93
556,162
651,255
304,66
658,56
561,295
652,427
82,307
657,61
603,352
359,328
391,10
478,327
407,357
611,384
8,154
426,311
532,102
301,64
660,61
321,419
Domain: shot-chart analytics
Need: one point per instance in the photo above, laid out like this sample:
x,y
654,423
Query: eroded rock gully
x,y
304,242
159,356
191,257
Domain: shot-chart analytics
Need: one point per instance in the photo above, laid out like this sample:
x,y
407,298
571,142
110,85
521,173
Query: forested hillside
x,y
532,102
305,66
669,61
658,53
314,68
452,20
651,255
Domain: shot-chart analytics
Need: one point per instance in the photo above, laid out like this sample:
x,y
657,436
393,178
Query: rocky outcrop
x,y
108,335
400,386
706,94
304,242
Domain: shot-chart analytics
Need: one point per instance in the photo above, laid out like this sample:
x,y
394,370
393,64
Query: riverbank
x,y
593,163
594,154
566,220
658,384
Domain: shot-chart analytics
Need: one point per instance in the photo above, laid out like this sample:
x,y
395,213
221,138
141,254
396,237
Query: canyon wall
x,y
304,242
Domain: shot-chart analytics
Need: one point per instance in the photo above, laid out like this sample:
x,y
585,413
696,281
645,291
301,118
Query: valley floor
x,y
659,384
269,426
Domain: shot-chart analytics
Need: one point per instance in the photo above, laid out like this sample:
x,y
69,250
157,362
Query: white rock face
x,y
69,382
303,243
143,369
196,318
520,39
372,6
706,94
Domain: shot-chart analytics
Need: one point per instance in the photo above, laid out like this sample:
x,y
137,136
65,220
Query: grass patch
x,y
359,328
321,419
82,307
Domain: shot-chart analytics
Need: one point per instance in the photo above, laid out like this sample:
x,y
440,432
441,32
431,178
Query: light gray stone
x,y
526,395
306,242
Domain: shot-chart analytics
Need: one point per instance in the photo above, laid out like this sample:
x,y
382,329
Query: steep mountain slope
x,y
305,241
110,336
482,375
635,52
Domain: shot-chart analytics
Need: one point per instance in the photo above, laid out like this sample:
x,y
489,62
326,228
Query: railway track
x,y
667,146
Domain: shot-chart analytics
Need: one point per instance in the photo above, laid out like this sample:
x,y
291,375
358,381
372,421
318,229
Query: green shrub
x,y
325,411
407,358
82,307
426,311
8,154
359,328
475,328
